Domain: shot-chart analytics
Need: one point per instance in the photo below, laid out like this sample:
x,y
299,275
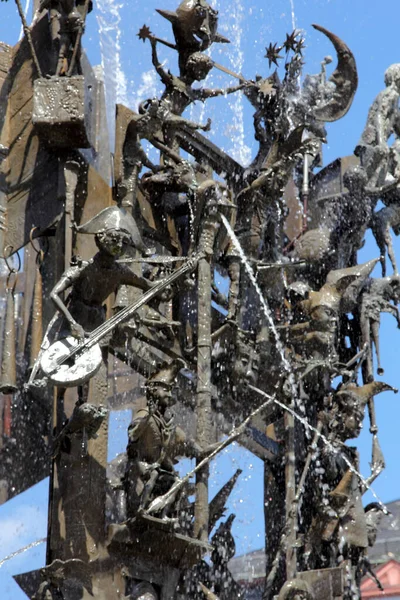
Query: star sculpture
x,y
300,45
144,33
273,54
290,42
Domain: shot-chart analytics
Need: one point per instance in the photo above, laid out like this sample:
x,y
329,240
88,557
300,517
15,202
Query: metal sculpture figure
x,y
375,299
154,120
382,222
301,322
195,27
67,22
382,122
91,284
154,442
179,94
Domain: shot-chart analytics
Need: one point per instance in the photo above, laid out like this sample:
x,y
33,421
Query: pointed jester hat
x,y
114,218
192,21
342,287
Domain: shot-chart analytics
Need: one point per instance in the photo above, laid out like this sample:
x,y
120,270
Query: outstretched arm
x,y
128,277
205,93
143,158
166,78
185,446
66,281
392,310
138,425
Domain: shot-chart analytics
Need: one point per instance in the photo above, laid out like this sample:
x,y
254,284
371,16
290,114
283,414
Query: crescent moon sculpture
x,y
344,78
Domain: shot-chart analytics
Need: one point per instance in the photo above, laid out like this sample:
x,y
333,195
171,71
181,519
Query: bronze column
x,y
204,346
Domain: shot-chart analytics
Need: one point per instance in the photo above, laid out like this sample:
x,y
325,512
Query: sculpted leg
x,y
390,249
375,340
365,323
148,488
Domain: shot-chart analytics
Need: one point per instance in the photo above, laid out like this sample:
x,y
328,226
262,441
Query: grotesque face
x,y
395,288
160,396
355,179
352,425
113,242
295,589
199,20
323,317
186,177
198,66
392,75
352,420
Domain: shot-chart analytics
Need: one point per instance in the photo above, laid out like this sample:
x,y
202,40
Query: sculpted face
x,y
199,20
186,177
195,25
352,420
161,396
392,75
324,317
395,286
113,242
198,66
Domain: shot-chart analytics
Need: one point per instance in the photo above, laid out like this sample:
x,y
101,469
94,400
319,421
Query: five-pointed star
x,y
144,33
291,42
273,54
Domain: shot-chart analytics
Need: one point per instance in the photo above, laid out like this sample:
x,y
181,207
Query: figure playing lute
x,y
80,325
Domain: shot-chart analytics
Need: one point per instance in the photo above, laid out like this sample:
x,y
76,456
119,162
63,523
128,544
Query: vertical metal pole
x,y
203,393
53,267
204,417
37,314
290,480
3,198
71,172
305,192
28,35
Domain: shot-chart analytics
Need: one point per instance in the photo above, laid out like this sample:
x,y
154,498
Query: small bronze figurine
x,y
195,25
179,93
350,403
67,21
382,122
90,283
154,442
377,297
224,549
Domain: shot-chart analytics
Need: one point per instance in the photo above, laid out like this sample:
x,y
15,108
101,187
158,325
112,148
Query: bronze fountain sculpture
x,y
289,342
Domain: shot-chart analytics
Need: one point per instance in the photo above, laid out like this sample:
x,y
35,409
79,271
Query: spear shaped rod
x,y
146,34
27,32
159,503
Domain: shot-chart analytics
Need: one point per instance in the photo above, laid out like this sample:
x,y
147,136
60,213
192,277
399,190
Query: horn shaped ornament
x,y
170,15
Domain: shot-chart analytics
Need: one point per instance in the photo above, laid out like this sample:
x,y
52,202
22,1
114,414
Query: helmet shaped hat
x,y
114,218
166,374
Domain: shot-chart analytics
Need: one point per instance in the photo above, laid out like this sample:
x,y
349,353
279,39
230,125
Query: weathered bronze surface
x,y
280,350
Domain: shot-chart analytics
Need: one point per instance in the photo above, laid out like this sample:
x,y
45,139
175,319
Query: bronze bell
x,y
8,372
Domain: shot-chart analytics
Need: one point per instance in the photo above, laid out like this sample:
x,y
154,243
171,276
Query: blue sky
x,y
371,30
